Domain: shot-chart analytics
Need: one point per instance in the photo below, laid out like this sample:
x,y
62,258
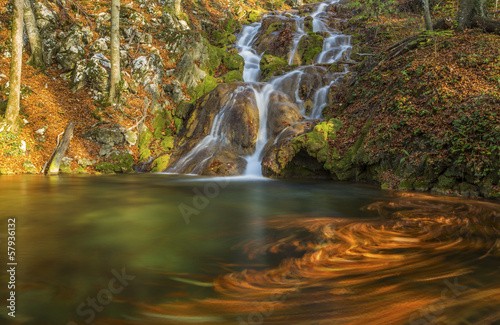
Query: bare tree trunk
x,y
61,149
36,58
115,50
12,111
427,15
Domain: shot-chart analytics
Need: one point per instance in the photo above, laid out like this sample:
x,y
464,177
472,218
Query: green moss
x,y
253,16
214,59
208,84
119,163
65,168
160,164
309,47
107,167
144,141
178,124
232,76
270,65
405,185
159,123
167,143
233,61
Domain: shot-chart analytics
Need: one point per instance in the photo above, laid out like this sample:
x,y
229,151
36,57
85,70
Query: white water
x,y
251,72
333,48
300,33
208,146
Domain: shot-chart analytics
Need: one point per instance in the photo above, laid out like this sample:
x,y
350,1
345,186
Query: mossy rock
x,y
223,39
65,168
253,16
178,124
232,76
159,125
233,61
145,138
309,47
160,164
121,162
167,143
29,167
270,65
184,109
214,59
208,84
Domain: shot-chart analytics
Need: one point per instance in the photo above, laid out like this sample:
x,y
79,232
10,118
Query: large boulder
x,y
220,130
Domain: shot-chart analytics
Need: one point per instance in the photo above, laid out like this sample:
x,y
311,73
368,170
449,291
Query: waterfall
x,y
286,86
251,71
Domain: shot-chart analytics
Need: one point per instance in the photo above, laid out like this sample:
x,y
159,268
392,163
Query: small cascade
x,y
300,93
300,33
251,70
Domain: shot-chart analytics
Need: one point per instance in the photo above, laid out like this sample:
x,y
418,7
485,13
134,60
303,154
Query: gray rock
x,y
85,162
71,50
100,45
106,136
106,150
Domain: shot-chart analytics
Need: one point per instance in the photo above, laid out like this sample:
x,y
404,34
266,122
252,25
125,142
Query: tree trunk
x,y
467,10
427,15
36,58
115,51
60,151
488,25
12,111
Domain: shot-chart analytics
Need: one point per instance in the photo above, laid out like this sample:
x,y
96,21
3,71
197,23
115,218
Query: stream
x,y
211,251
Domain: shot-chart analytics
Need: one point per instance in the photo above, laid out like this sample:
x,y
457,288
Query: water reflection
x,y
268,252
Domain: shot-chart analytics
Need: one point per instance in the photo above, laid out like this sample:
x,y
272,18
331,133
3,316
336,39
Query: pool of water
x,y
164,249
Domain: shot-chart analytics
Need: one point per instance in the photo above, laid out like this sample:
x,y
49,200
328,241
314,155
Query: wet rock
x,y
276,36
233,108
308,48
282,112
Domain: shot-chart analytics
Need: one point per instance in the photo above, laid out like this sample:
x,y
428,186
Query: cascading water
x,y
287,86
251,70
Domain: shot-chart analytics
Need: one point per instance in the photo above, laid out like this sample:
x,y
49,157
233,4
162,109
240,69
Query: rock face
x,y
223,127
